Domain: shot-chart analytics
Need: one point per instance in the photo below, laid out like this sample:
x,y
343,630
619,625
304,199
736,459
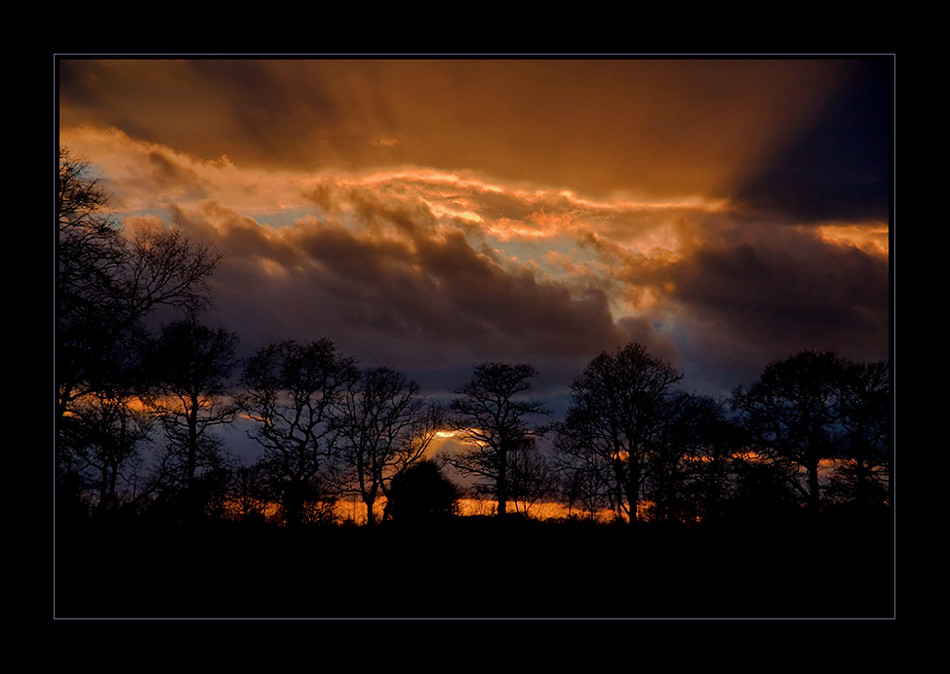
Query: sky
x,y
434,213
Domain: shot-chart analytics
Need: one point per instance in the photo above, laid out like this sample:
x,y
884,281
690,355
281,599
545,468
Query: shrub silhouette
x,y
422,493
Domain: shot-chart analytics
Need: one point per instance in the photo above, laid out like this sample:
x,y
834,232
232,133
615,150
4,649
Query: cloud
x,y
434,214
838,166
648,127
407,299
771,296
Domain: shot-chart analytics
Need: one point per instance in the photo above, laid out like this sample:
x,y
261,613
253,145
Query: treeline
x,y
139,413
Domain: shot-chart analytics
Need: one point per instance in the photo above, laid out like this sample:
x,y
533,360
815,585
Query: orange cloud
x,y
655,128
487,207
872,237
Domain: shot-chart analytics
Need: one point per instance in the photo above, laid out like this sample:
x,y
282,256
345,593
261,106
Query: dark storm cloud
x,y
422,302
839,166
772,300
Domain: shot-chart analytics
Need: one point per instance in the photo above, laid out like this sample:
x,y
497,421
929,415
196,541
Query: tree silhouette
x,y
105,433
108,281
191,365
687,460
713,445
492,416
91,253
620,408
532,477
866,417
91,250
385,426
292,389
582,484
762,491
250,494
793,414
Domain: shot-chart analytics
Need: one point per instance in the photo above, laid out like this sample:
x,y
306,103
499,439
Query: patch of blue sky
x,y
536,251
282,218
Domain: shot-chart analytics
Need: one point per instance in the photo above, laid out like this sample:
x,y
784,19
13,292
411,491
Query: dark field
x,y
475,568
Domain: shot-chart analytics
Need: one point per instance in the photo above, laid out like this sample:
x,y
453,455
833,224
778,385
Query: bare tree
x,y
250,493
291,389
620,407
191,365
712,445
100,318
91,254
108,282
532,477
105,433
793,414
689,460
491,414
866,416
582,484
385,425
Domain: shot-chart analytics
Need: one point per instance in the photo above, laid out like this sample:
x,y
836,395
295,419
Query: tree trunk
x,y
860,476
633,491
501,487
293,505
814,488
370,513
192,466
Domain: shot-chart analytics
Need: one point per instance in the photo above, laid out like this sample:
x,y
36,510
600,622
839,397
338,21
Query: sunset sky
x,y
431,214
